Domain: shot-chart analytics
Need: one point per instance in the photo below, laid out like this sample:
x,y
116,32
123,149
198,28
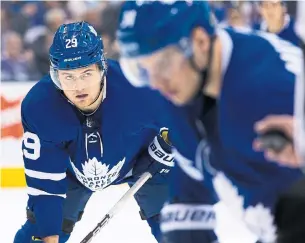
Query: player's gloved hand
x,y
158,160
192,223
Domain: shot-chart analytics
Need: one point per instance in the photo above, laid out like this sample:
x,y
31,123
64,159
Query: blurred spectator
x,y
14,19
33,11
275,19
236,16
250,12
77,9
40,48
236,19
219,10
4,25
54,4
92,16
36,21
52,19
38,38
16,64
109,20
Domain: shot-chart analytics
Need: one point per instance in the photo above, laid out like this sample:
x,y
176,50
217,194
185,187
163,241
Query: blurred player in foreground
x,y
231,80
84,130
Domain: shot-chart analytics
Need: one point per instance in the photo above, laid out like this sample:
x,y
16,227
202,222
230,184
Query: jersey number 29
x,y
71,43
32,146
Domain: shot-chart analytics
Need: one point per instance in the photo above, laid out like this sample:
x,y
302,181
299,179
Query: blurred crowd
x,y
27,28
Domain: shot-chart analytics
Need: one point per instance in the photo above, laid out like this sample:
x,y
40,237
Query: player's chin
x,y
178,102
82,104
181,99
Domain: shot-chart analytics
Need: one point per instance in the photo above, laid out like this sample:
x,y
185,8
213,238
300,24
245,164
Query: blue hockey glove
x,y
158,160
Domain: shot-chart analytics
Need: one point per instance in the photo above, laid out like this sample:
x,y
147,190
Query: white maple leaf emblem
x,y
117,167
93,167
97,175
228,193
258,218
262,217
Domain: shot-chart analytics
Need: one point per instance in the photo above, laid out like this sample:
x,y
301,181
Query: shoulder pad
x,y
47,112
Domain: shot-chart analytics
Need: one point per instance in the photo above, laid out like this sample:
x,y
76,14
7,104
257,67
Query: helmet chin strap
x,y
205,72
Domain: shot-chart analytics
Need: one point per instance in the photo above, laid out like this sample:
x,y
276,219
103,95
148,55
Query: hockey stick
x,y
139,183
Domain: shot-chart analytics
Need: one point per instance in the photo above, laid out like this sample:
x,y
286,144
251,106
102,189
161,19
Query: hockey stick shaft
x,y
133,190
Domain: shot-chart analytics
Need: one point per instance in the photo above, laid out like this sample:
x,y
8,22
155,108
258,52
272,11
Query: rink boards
x,y
11,163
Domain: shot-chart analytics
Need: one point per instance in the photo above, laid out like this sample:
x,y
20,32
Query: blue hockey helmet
x,y
75,45
148,26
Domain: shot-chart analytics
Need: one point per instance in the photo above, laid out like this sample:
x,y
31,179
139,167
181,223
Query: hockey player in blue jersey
x,y
227,81
84,130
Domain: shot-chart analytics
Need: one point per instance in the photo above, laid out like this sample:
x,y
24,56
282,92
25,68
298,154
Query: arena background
x,y
27,29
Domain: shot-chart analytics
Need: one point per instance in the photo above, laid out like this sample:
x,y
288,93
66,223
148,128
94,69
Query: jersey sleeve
x,y
45,163
189,214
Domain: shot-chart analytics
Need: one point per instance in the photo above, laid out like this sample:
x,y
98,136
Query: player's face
x,y
272,11
82,85
170,73
170,70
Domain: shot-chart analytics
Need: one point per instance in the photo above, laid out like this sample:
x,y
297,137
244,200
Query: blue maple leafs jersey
x,y
98,150
258,80
259,72
189,214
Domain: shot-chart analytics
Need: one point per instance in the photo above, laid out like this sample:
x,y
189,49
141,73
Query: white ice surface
x,y
125,227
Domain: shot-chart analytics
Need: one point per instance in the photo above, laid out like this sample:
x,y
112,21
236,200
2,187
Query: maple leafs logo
x,y
97,175
262,216
117,167
93,167
258,218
